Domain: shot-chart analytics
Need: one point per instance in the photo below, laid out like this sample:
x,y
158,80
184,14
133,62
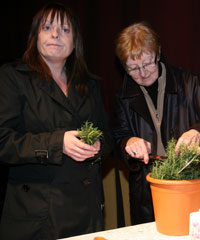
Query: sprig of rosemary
x,y
184,166
89,134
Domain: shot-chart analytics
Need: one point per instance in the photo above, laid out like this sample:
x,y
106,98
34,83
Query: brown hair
x,y
136,39
75,64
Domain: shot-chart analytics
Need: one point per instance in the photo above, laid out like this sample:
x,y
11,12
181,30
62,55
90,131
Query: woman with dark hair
x,y
54,185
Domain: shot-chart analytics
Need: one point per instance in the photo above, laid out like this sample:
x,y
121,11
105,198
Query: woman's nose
x,y
143,72
55,32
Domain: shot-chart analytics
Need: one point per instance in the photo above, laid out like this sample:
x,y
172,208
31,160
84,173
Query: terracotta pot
x,y
173,201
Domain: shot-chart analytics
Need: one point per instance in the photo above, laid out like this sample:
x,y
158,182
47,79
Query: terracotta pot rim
x,y
171,182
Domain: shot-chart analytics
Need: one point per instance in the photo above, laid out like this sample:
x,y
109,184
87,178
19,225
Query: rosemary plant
x,y
184,166
89,134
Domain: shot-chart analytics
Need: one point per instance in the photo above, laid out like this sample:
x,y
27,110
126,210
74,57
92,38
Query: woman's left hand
x,y
78,150
191,137
97,145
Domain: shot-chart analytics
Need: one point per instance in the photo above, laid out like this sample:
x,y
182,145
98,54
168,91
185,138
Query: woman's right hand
x,y
138,148
76,149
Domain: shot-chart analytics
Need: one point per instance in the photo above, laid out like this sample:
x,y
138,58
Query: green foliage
x,y
184,166
89,134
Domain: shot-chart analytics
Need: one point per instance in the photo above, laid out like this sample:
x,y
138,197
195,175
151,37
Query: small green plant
x,y
184,166
89,134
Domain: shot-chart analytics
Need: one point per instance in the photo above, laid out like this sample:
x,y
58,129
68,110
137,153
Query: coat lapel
x,y
137,101
53,90
75,98
71,104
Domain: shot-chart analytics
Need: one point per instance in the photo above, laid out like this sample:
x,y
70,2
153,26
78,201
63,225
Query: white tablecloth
x,y
145,231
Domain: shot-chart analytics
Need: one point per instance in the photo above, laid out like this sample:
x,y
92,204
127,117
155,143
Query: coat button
x,y
26,188
86,182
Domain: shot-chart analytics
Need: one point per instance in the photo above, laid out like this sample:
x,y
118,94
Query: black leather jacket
x,y
181,112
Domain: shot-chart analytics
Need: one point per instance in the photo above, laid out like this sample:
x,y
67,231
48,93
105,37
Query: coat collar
x,y
72,103
132,91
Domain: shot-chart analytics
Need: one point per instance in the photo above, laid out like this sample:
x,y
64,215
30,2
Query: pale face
x,y
144,71
55,42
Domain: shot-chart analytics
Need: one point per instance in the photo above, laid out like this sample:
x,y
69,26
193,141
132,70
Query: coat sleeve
x,y
196,102
16,145
122,132
189,106
120,126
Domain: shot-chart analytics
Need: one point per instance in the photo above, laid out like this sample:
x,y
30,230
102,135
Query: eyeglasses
x,y
147,67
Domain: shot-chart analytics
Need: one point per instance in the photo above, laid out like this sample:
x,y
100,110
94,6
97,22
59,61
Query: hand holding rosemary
x,y
184,166
89,134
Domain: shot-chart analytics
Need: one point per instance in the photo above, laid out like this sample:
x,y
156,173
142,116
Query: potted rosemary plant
x,y
175,188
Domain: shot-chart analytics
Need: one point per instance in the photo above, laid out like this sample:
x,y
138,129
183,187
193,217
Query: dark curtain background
x,y
176,21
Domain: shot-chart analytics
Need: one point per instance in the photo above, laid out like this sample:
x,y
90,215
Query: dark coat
x,y
181,112
49,195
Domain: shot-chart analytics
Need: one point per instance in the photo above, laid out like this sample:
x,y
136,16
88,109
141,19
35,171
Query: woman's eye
x,y
46,28
65,30
132,69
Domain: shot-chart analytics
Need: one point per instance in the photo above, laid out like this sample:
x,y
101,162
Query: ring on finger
x,y
135,153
